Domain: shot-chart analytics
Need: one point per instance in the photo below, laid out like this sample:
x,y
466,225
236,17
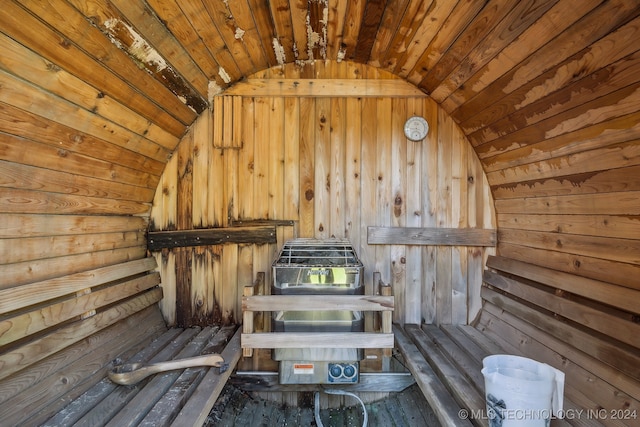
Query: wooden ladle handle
x,y
131,373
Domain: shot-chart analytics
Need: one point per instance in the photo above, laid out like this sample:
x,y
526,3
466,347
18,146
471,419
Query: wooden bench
x,y
59,338
585,328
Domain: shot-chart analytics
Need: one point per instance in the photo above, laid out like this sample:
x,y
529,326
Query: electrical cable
x,y
339,392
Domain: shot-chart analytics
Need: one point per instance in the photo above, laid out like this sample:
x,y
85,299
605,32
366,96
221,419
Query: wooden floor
x,y
236,408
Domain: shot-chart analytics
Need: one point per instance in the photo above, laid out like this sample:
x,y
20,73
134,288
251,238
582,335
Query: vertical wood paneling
x,y
307,167
353,170
336,166
322,166
368,205
399,195
413,218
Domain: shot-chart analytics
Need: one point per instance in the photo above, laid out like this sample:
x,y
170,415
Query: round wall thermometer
x,y
416,128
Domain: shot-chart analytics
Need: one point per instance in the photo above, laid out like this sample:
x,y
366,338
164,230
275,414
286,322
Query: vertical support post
x,y
247,321
387,317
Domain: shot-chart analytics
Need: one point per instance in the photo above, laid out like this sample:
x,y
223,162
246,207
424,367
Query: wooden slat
x,y
26,295
81,365
25,324
36,350
319,302
577,27
367,382
35,248
36,202
109,407
317,340
211,236
200,403
581,386
170,404
430,236
624,298
137,407
469,367
45,269
598,320
86,406
21,225
581,366
325,88
614,249
626,360
442,403
105,74
454,379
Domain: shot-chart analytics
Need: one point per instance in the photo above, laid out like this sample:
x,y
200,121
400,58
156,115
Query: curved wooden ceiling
x,y
495,66
537,86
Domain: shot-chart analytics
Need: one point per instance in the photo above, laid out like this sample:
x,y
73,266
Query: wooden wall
x,y
334,166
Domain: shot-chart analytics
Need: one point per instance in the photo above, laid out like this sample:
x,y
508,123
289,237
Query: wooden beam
x,y
325,88
431,236
317,340
157,240
317,302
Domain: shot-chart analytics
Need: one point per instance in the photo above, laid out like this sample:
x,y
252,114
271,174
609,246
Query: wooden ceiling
x,y
481,60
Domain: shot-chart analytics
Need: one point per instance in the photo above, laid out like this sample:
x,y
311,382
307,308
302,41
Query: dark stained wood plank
x,y
171,13
394,13
211,236
218,16
460,20
616,180
371,19
431,236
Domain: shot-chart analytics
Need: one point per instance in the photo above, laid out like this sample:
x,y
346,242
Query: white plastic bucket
x,y
521,392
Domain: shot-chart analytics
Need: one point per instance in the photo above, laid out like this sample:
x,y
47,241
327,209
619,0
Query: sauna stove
x,y
315,268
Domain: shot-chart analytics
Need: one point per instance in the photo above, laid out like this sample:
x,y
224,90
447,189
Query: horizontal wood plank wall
x,y
562,154
81,150
333,165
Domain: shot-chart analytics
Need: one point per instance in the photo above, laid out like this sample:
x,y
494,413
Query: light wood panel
x,y
334,166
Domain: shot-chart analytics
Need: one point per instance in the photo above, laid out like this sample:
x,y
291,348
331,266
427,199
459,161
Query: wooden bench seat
x,y
59,338
574,324
158,400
